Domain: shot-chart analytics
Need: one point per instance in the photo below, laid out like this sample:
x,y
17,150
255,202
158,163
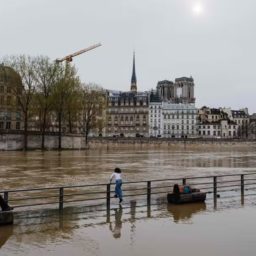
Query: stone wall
x,y
15,142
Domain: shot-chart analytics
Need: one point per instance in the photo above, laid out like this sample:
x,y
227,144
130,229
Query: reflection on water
x,y
116,230
133,229
5,234
184,212
81,230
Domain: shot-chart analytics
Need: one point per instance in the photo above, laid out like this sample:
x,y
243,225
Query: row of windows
x,y
179,133
178,127
182,121
178,117
7,125
217,133
127,129
127,118
242,121
129,110
216,126
138,103
5,100
4,89
183,111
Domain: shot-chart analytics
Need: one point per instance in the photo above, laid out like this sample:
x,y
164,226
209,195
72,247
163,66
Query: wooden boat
x,y
190,196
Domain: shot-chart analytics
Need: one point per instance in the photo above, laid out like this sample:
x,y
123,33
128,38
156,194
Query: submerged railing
x,y
101,194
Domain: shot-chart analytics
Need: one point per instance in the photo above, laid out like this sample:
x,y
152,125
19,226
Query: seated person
x,y
185,189
4,205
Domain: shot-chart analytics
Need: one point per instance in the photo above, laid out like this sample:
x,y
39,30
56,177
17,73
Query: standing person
x,y
118,179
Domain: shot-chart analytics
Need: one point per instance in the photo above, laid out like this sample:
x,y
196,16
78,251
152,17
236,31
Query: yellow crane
x,y
70,57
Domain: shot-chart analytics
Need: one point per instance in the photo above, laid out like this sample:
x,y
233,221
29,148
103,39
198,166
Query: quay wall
x,y
76,142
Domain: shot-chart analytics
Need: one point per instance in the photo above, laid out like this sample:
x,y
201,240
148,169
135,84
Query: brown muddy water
x,y
227,228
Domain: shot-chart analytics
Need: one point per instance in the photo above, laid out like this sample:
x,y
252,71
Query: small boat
x,y
185,194
6,218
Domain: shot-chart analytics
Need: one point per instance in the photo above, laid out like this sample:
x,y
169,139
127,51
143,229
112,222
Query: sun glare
x,y
198,9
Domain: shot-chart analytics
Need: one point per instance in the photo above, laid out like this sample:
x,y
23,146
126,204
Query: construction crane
x,y
70,57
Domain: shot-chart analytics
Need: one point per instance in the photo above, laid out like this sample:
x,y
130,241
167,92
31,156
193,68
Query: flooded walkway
x,y
227,228
134,230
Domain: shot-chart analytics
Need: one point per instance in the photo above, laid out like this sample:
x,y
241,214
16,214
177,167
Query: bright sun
x,y
198,9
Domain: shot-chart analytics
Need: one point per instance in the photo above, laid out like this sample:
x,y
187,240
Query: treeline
x,y
51,97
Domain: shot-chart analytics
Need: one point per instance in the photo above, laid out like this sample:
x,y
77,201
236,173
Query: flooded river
x,y
135,229
38,169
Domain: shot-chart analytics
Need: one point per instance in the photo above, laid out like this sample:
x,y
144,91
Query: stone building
x,y
241,118
10,85
182,91
252,127
170,120
127,112
155,115
172,111
215,123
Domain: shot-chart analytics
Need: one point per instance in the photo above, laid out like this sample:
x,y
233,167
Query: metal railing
x,y
92,194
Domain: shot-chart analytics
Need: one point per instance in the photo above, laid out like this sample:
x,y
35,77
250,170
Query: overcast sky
x,y
214,41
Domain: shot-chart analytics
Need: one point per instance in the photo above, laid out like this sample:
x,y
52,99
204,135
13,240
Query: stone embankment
x,y
76,142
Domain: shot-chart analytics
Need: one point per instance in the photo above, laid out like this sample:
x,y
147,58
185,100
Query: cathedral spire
x,y
134,79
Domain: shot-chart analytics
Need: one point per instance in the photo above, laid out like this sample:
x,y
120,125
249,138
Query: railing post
x,y
183,182
148,192
61,199
242,188
108,196
242,184
6,197
215,187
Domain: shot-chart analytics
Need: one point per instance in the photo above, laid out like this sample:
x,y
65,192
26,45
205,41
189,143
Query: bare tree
x,y
93,108
46,75
66,82
24,91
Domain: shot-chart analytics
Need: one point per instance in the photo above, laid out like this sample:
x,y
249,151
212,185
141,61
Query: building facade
x,y
241,118
215,123
172,111
10,86
127,112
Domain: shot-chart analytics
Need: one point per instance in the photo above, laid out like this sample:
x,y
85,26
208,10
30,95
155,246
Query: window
x,y
2,100
8,125
17,125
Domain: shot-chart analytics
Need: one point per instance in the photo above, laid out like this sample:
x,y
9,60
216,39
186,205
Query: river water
x,y
201,229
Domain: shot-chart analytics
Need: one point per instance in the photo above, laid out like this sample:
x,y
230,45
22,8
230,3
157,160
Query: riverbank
x,y
12,142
